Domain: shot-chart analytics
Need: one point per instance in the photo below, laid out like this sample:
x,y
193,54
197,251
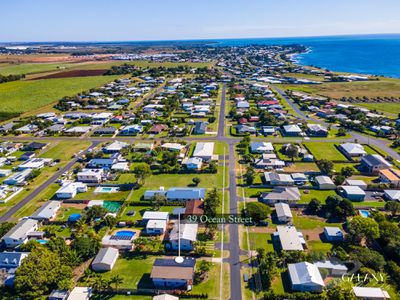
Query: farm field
x,y
23,96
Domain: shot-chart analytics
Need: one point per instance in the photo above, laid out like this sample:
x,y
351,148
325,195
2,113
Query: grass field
x,y
22,96
29,68
325,151
390,108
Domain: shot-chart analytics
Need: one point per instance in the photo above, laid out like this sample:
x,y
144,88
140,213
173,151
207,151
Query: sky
x,y
134,20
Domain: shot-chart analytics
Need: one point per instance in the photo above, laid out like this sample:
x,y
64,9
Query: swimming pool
x,y
42,242
364,213
106,189
125,233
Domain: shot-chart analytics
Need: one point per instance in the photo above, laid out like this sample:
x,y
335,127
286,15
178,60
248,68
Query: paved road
x,y
7,216
221,121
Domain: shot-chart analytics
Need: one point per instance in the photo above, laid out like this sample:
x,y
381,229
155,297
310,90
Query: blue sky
x,y
123,20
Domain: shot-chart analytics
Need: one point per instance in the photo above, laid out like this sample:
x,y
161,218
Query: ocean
x,y
364,54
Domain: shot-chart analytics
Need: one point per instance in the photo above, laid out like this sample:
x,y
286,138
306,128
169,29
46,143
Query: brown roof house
x,y
168,274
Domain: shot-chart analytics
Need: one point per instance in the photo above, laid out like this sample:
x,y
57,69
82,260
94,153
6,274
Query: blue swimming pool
x,y
125,233
364,213
42,242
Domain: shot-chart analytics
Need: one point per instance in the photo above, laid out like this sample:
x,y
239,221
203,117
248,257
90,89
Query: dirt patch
x,y
73,73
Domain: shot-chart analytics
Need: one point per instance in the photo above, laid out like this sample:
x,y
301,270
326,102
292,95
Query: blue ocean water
x,y
364,54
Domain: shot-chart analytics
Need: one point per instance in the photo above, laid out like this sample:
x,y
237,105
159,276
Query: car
x,y
245,277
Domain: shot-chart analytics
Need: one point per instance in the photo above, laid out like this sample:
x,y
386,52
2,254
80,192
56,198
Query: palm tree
x,y
117,281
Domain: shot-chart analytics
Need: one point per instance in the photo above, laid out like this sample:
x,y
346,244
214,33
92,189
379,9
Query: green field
x,y
23,96
390,108
29,68
325,151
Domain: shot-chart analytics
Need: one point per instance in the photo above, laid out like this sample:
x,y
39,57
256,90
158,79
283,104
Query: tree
x,y
116,281
347,172
5,227
95,212
211,203
110,221
86,247
196,181
363,228
342,132
41,272
326,166
249,176
292,151
257,211
142,171
339,179
157,200
314,206
393,207
369,258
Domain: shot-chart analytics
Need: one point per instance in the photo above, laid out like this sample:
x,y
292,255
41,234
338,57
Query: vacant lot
x,y
325,151
23,96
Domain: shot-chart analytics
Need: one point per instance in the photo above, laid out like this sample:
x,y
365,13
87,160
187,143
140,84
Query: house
x,y
290,239
56,128
19,233
120,242
353,193
33,163
370,293
27,155
268,161
131,130
305,277
391,176
6,127
392,195
173,147
5,172
194,207
47,211
9,263
356,182
268,130
167,273
165,297
18,178
157,128
283,212
187,233
317,130
325,183
185,194
105,130
291,130
204,151
115,147
34,146
105,259
193,163
353,149
156,222
120,167
69,190
281,194
77,130
333,234
299,178
200,127
104,163
373,163
80,293
143,147
261,147
90,175
243,129
273,178
29,128
333,269
243,105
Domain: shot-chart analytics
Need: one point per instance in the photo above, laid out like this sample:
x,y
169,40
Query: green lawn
x,y
23,96
140,211
325,151
135,271
311,222
319,246
259,240
28,68
321,195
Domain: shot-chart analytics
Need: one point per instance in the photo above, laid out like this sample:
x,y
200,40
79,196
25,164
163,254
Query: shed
x,y
105,259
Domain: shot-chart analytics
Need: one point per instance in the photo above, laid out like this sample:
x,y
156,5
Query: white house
x,y
156,221
261,147
353,149
204,151
305,277
90,175
290,238
80,293
18,178
19,233
273,178
70,189
115,147
193,163
325,183
187,234
47,211
105,259
370,293
283,212
166,273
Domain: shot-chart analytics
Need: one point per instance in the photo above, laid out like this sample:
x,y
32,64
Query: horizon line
x,y
196,39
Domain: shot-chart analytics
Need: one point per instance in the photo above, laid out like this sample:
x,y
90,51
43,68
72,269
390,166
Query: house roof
x,y
390,174
292,128
283,210
169,269
155,215
353,190
12,259
186,193
106,256
194,207
289,238
305,273
323,180
333,231
370,293
375,160
282,193
203,149
393,194
353,148
165,297
46,211
187,231
261,146
20,230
